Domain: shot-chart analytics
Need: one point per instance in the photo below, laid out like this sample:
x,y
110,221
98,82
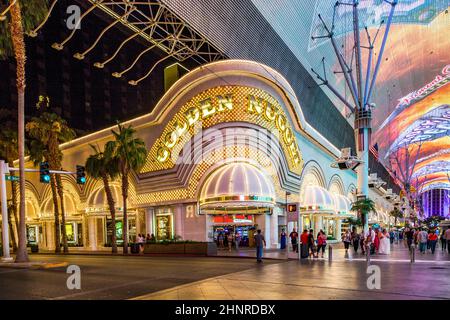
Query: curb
x,y
34,265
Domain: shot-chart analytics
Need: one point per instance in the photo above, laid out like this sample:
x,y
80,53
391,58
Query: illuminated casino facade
x,y
224,151
240,132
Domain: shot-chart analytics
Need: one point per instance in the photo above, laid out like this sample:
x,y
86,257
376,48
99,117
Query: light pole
x,y
287,222
360,93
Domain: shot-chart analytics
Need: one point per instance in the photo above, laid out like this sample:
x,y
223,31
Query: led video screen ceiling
x,y
412,93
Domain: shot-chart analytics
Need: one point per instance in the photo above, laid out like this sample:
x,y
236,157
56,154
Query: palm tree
x,y
48,131
363,206
396,213
8,151
102,165
130,153
23,16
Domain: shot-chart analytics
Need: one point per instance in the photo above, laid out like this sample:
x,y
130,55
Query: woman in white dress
x,y
385,244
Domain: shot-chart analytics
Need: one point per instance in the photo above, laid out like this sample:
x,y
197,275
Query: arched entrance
x,y
236,198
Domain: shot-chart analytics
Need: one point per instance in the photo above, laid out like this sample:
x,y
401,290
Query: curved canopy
x,y
342,205
236,186
317,200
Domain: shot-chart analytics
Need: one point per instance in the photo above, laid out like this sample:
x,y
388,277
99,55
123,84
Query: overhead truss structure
x,y
152,22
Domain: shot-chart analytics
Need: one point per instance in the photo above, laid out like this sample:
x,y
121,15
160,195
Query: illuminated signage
x,y
439,81
220,105
204,110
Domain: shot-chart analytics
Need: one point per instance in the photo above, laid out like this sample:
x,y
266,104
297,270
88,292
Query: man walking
x,y
294,240
447,237
260,243
409,237
423,240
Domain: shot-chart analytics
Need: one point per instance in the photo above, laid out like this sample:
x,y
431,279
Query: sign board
x,y
11,178
292,212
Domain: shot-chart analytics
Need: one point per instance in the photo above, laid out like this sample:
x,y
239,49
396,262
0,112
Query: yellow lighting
x,y
219,105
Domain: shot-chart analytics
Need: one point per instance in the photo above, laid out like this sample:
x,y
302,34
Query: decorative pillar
x,y
179,221
316,223
274,228
209,233
338,229
149,212
266,230
92,230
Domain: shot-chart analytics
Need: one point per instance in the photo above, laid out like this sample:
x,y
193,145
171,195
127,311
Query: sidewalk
x,y
399,253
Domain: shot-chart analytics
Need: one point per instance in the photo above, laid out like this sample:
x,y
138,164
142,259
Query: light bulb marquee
x,y
224,104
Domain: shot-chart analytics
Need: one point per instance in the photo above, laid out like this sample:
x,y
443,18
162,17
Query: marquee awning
x,y
317,200
237,187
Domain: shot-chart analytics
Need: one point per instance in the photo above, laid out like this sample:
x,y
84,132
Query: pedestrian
x,y
422,239
391,236
140,241
443,241
237,240
347,239
304,244
362,239
432,238
311,243
152,238
369,239
355,239
260,243
294,240
409,233
283,239
376,242
321,243
230,241
447,237
385,243
220,238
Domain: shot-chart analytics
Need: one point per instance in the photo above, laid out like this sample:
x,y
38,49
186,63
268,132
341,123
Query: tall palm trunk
x,y
56,213
20,56
112,210
125,215
14,206
11,230
63,215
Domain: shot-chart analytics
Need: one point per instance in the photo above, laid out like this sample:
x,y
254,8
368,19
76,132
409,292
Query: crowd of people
x,y
226,240
426,240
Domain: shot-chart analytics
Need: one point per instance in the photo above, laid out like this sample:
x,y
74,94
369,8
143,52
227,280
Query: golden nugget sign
x,y
220,105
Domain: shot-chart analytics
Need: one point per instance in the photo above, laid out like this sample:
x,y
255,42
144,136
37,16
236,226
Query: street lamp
x,y
286,213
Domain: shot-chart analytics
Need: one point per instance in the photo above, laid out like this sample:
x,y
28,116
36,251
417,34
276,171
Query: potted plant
x,y
363,207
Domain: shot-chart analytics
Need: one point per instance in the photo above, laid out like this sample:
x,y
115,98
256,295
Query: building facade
x,y
228,148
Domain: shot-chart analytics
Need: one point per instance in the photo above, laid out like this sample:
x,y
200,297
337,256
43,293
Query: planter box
x,y
173,248
202,248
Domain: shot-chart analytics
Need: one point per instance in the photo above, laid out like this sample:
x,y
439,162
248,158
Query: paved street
x,y
320,280
112,277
